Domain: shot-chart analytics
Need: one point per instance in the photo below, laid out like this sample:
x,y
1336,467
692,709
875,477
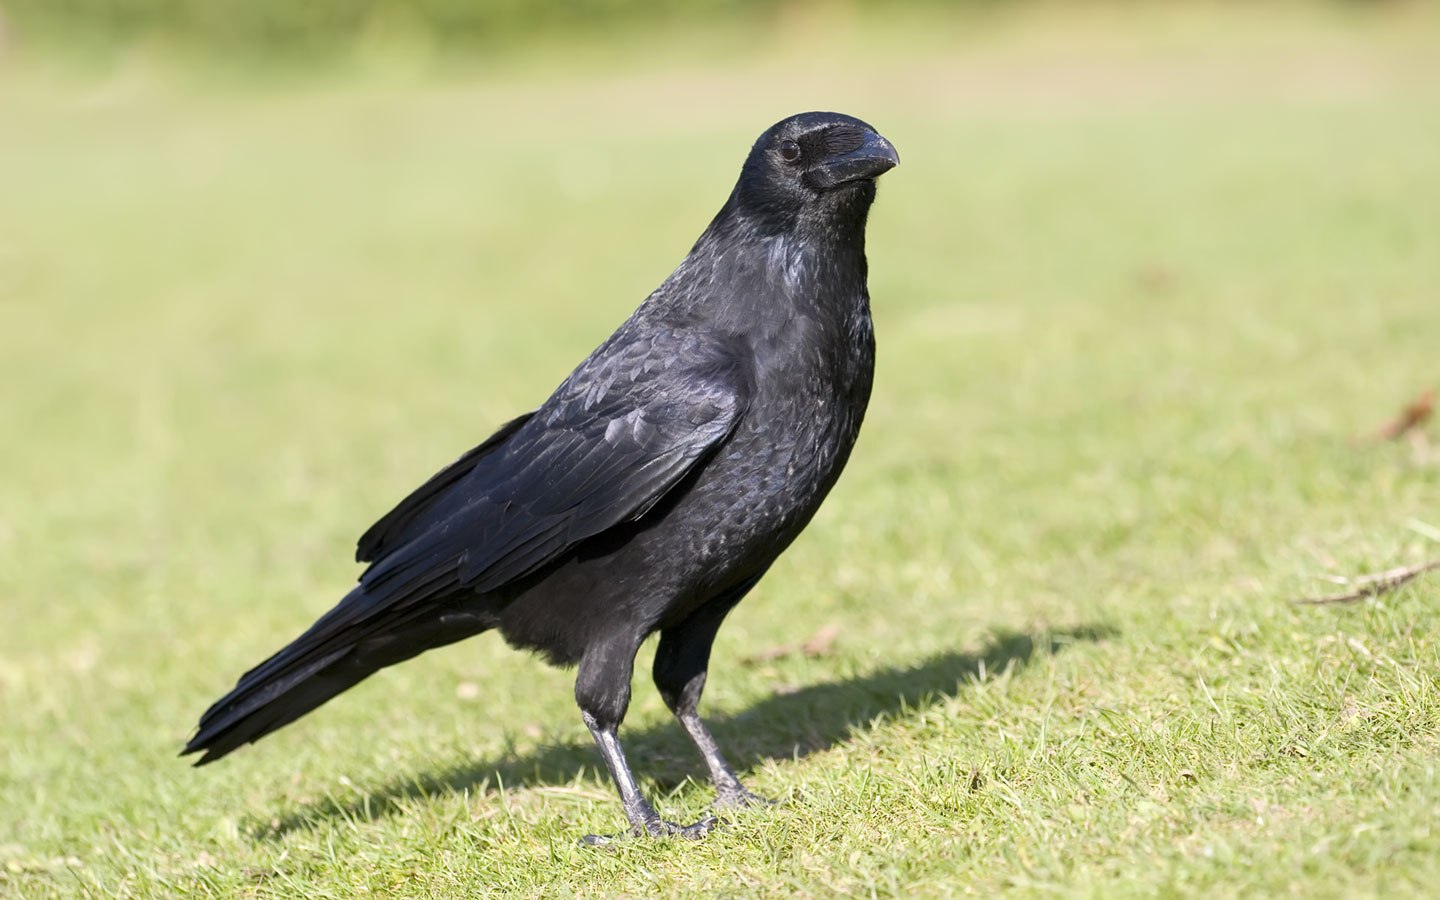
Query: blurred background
x,y
1150,284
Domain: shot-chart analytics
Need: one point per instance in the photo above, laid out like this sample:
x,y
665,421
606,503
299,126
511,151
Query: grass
x,y
1136,292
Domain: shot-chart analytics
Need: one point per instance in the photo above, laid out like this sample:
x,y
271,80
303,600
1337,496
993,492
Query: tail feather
x,y
339,651
220,738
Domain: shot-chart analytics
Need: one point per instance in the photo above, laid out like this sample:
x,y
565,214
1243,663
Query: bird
x,y
651,490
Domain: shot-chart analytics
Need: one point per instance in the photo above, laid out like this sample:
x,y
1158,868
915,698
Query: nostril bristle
x,y
843,139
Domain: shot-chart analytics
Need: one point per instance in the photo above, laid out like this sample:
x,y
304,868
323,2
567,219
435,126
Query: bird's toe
x,y
655,829
599,840
695,831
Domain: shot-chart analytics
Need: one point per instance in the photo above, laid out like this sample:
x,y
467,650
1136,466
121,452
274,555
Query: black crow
x,y
650,491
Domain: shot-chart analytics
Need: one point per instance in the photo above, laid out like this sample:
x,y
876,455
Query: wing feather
x,y
613,440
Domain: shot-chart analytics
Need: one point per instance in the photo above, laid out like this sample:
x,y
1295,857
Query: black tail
x,y
339,651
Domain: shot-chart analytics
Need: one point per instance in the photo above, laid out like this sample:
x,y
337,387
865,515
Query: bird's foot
x,y
737,797
656,828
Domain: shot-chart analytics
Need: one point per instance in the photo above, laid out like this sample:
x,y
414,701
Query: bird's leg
x,y
643,817
603,692
680,666
729,792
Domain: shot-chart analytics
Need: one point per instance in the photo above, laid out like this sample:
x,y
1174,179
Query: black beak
x,y
874,157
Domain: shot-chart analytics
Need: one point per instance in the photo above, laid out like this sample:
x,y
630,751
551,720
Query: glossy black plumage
x,y
651,490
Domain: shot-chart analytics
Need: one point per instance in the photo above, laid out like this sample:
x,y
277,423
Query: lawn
x,y
1142,292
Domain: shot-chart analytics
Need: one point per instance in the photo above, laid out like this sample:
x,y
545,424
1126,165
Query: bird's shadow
x,y
788,725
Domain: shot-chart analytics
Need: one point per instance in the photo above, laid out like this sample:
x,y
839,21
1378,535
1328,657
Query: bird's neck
x,y
747,279
835,217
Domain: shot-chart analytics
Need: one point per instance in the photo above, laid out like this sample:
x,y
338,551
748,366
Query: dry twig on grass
x,y
1415,414
1374,585
821,643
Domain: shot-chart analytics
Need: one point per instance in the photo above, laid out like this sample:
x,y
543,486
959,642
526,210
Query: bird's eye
x,y
789,151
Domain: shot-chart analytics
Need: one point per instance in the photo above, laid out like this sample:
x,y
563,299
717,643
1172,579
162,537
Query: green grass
x,y
1135,293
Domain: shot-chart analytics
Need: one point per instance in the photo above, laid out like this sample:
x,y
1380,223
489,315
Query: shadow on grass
x,y
786,726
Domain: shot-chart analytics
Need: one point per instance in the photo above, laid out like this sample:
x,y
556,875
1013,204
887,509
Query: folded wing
x,y
625,428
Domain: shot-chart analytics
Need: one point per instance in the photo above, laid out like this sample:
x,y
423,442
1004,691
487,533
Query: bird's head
x,y
815,165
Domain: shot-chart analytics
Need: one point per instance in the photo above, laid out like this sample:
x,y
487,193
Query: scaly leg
x,y
602,691
680,666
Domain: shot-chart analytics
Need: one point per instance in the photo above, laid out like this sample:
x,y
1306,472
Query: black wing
x,y
626,427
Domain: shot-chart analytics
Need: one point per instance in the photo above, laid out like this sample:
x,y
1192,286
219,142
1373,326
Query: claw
x,y
599,840
692,832
658,828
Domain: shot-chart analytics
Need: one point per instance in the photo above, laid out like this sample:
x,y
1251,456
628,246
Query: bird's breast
x,y
812,386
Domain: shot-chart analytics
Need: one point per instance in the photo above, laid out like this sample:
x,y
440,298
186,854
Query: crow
x,y
653,488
